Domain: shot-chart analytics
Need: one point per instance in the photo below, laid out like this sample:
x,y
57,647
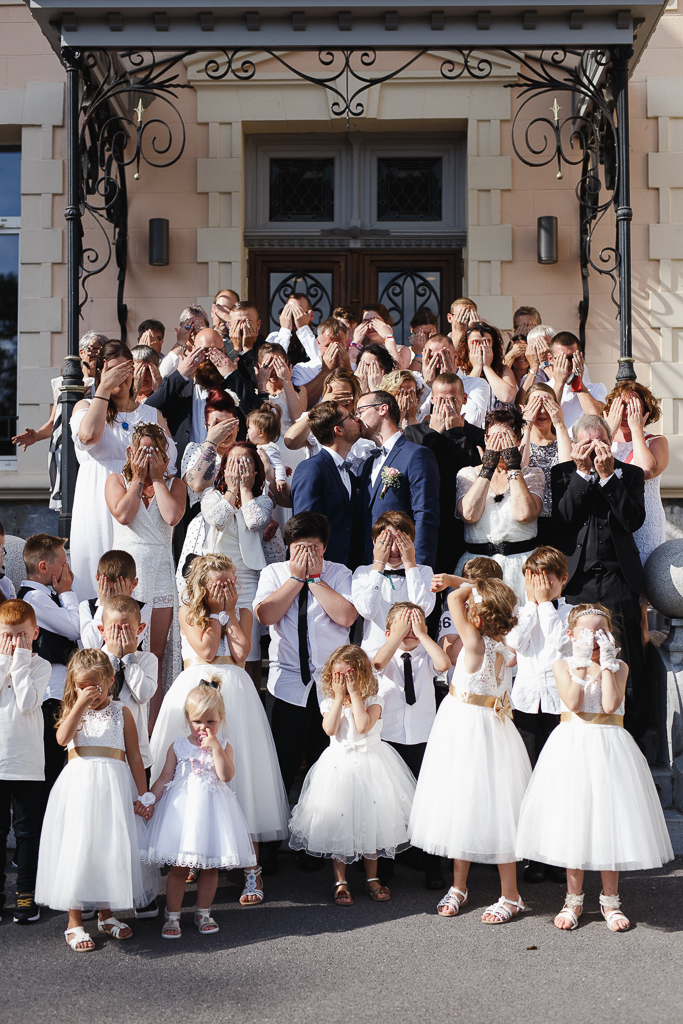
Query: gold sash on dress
x,y
224,659
592,718
499,705
113,752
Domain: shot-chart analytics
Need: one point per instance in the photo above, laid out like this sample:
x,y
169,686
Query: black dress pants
x,y
55,756
298,733
534,730
413,755
28,799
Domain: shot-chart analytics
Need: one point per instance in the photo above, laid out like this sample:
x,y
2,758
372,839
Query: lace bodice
x,y
484,680
189,652
218,512
101,728
653,531
592,701
195,763
149,529
497,523
544,457
347,734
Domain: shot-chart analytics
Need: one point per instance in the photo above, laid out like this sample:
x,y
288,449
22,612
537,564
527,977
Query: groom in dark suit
x,y
400,476
598,504
326,484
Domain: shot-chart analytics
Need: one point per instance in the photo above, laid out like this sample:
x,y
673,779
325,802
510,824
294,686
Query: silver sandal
x,y
250,889
452,899
501,910
204,922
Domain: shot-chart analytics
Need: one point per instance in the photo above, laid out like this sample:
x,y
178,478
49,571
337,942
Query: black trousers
x,y
298,733
534,730
28,799
413,755
610,589
55,756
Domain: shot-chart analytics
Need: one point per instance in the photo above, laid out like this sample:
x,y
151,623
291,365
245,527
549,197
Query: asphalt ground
x,y
299,959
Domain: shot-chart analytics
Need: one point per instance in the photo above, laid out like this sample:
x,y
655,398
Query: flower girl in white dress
x,y
198,821
355,801
591,804
476,767
89,846
215,641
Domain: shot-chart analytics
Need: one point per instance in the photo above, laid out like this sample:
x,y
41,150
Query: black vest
x,y
53,647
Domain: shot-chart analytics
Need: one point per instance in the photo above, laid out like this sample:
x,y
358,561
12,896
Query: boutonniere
x,y
390,478
618,473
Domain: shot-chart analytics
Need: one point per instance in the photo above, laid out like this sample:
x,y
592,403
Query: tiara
x,y
593,611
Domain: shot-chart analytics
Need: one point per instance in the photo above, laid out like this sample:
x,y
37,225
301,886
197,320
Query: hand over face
x,y
222,363
187,365
581,454
158,464
400,627
339,684
406,547
382,548
603,459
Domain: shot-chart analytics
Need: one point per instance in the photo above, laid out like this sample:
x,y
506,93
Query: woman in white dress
x,y
500,502
201,461
101,428
146,502
591,804
545,443
234,514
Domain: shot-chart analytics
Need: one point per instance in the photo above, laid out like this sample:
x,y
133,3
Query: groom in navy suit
x,y
326,484
400,475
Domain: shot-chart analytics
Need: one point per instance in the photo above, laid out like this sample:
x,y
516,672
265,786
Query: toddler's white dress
x,y
257,782
474,772
198,822
591,802
355,801
91,838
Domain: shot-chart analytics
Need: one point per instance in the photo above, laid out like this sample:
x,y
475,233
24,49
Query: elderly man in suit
x,y
398,475
598,504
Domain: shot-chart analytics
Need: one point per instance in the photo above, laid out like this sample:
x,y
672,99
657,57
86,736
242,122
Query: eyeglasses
x,y
351,416
375,405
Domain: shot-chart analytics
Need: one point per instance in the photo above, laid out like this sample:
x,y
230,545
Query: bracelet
x,y
383,564
147,799
101,398
514,473
487,472
314,579
298,579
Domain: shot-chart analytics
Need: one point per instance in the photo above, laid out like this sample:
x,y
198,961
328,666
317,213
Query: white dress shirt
x,y
304,334
140,671
374,594
59,618
476,404
406,723
303,373
324,634
90,634
339,462
169,363
24,677
380,460
540,639
7,588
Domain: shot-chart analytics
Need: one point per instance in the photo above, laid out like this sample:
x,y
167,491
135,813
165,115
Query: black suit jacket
x,y
318,487
619,506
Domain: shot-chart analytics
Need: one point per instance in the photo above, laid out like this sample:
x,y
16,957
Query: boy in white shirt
x,y
540,639
116,574
24,677
393,577
406,665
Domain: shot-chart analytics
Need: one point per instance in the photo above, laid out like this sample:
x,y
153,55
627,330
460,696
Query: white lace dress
x,y
356,799
148,539
591,802
474,772
198,823
257,783
497,525
653,531
91,839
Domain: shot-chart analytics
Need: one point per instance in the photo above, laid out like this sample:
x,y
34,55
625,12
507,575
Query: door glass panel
x,y
317,288
403,292
9,296
302,190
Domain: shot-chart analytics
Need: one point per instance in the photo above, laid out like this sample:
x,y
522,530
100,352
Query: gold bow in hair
x,y
502,707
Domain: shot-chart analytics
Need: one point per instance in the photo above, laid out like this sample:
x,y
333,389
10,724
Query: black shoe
x,y
27,909
534,872
414,858
310,864
270,864
385,869
433,874
151,910
556,874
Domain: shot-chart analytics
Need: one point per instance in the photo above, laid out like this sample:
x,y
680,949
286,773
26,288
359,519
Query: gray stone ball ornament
x,y
664,576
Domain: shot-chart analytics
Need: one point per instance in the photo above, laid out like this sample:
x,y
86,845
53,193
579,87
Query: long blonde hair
x,y
194,595
157,434
359,661
80,662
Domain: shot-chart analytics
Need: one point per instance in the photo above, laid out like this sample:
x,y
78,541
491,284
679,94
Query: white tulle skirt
x,y
257,782
354,803
471,784
90,842
592,804
198,823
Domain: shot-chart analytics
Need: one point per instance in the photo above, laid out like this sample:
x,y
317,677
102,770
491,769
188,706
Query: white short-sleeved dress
x,y
356,799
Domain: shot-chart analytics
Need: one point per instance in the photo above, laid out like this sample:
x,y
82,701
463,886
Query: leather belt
x,y
113,752
592,719
508,547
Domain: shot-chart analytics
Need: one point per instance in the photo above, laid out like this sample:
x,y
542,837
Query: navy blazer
x,y
318,487
417,494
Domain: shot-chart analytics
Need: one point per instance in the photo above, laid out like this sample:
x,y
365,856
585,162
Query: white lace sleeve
x,y
534,478
215,509
464,481
257,513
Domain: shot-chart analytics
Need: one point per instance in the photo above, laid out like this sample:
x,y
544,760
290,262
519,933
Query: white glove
x,y
582,649
608,651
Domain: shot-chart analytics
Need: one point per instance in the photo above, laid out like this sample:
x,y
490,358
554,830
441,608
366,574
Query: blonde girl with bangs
x,y
89,856
216,639
356,799
199,823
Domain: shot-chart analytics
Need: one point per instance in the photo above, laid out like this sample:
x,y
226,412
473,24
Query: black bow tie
x,y
375,454
394,572
554,602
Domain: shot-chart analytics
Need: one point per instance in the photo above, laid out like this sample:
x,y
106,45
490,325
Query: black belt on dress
x,y
508,547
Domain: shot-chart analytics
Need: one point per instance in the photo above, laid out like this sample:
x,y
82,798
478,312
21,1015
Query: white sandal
x,y
115,928
501,910
79,935
205,923
609,908
572,902
250,876
452,900
171,926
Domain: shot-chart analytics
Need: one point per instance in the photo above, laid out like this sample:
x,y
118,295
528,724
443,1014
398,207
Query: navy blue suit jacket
x,y
317,487
417,494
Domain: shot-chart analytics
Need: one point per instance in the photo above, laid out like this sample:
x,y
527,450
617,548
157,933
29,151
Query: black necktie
x,y
302,628
119,678
408,684
394,572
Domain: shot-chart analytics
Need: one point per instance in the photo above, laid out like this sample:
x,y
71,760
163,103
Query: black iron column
x,y
621,56
72,388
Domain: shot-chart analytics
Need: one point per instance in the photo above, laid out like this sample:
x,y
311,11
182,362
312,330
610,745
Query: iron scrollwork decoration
x,y
312,286
404,294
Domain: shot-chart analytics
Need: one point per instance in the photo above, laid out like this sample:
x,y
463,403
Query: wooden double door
x,y
402,281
